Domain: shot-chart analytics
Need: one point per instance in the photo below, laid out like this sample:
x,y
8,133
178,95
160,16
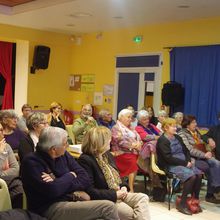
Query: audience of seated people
x,y
35,123
126,144
55,183
178,116
212,137
105,119
12,134
53,180
106,182
174,157
26,111
161,116
54,118
82,124
9,171
204,158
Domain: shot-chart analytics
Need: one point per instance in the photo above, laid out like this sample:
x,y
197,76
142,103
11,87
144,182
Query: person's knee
x,y
143,197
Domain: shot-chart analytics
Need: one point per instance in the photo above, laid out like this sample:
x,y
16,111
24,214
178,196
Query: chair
x,y
170,179
70,133
5,201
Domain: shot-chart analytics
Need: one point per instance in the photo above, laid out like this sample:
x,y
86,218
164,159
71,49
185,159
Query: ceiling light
x,y
80,15
183,6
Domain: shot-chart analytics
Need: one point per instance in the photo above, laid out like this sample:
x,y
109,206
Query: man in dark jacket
x,y
54,182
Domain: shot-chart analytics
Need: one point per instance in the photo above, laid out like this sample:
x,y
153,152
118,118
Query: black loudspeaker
x,y
41,58
172,94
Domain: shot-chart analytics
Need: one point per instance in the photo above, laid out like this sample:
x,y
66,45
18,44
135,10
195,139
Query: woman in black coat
x,y
174,157
106,183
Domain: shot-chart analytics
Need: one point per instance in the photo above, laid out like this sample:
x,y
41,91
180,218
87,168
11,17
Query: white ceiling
x,y
54,15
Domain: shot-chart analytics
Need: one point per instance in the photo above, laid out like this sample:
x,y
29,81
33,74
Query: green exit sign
x,y
138,39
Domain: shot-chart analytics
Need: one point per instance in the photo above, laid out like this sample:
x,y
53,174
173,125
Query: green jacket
x,y
80,127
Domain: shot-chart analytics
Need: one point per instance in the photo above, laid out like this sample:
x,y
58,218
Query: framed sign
x,y
75,82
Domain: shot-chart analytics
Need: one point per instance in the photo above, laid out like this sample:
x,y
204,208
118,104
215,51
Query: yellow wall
x,y
51,84
98,56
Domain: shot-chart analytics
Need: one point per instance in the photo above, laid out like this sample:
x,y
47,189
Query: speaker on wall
x,y
172,94
41,58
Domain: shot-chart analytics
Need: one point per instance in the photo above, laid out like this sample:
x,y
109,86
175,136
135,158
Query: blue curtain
x,y
198,70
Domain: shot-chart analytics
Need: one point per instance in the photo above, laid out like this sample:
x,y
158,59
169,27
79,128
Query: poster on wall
x,y
108,90
98,98
88,78
87,87
75,82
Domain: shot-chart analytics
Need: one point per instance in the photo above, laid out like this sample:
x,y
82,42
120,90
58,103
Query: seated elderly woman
x,y
9,171
54,118
106,183
178,116
35,123
149,133
146,130
162,115
174,157
12,134
126,144
204,158
105,119
84,123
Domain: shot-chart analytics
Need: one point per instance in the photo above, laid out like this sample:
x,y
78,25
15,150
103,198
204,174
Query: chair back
x,y
5,201
154,166
70,133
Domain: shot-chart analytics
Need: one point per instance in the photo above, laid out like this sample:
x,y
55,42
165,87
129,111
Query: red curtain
x,y
5,71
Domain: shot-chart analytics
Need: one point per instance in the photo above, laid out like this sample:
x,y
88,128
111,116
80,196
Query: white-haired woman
x,y
105,119
149,133
178,116
35,124
161,116
126,144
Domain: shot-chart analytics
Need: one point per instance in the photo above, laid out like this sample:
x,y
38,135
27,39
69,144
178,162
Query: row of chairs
x,y
5,201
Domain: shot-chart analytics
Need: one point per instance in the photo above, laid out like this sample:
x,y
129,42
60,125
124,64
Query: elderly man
x,y
54,182
26,111
84,123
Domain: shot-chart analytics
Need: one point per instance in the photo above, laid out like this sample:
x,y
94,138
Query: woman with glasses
x,y
54,118
12,134
35,124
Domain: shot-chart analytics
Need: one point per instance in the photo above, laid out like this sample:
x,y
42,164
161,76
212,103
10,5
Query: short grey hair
x,y
51,137
7,113
177,114
162,113
35,119
103,112
124,112
142,113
